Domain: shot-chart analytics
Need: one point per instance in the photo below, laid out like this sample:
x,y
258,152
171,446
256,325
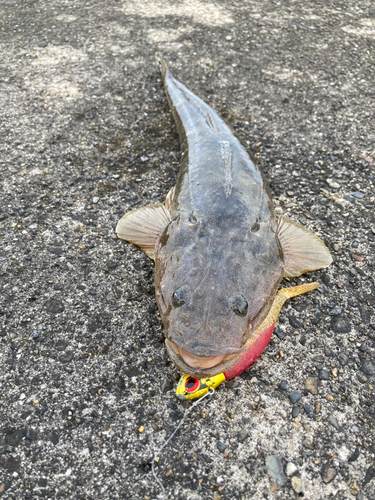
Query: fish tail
x,y
162,66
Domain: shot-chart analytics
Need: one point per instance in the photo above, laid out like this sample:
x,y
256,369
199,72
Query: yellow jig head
x,y
192,388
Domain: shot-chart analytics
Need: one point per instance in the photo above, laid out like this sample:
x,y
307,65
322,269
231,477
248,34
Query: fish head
x,y
213,287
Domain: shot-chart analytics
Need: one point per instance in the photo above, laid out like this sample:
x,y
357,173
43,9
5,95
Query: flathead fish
x,y
219,251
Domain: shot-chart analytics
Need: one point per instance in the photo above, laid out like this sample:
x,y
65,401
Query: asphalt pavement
x,y
86,387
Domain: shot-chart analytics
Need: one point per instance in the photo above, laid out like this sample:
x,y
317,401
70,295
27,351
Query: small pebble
x,y
340,324
335,311
333,421
308,442
297,485
370,474
308,409
331,183
280,333
95,199
296,411
169,473
35,335
275,471
242,436
295,396
324,375
358,195
311,385
368,368
31,435
290,469
343,454
221,446
328,473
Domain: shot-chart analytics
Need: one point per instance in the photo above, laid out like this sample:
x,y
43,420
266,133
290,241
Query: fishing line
x,y
163,494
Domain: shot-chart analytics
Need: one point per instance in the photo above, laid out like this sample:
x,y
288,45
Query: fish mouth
x,y
200,366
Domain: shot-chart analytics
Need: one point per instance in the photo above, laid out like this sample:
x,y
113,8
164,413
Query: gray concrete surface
x,y
86,135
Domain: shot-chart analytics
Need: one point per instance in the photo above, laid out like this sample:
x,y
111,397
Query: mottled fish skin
x,y
214,163
220,248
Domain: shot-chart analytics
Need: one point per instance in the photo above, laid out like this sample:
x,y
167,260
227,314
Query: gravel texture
x,y
86,388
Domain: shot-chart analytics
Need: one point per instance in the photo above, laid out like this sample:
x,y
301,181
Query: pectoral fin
x,y
143,227
169,198
303,250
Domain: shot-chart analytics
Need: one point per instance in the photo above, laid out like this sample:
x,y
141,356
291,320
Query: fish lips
x,y
198,372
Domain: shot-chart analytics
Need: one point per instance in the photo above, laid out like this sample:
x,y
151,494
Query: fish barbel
x,y
219,251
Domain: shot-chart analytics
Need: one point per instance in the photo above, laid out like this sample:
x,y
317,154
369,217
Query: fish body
x,y
219,251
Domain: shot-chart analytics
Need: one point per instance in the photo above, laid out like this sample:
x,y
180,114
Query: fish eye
x,y
179,297
239,305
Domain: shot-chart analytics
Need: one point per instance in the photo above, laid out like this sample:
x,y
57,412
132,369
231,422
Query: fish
x,y
220,252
